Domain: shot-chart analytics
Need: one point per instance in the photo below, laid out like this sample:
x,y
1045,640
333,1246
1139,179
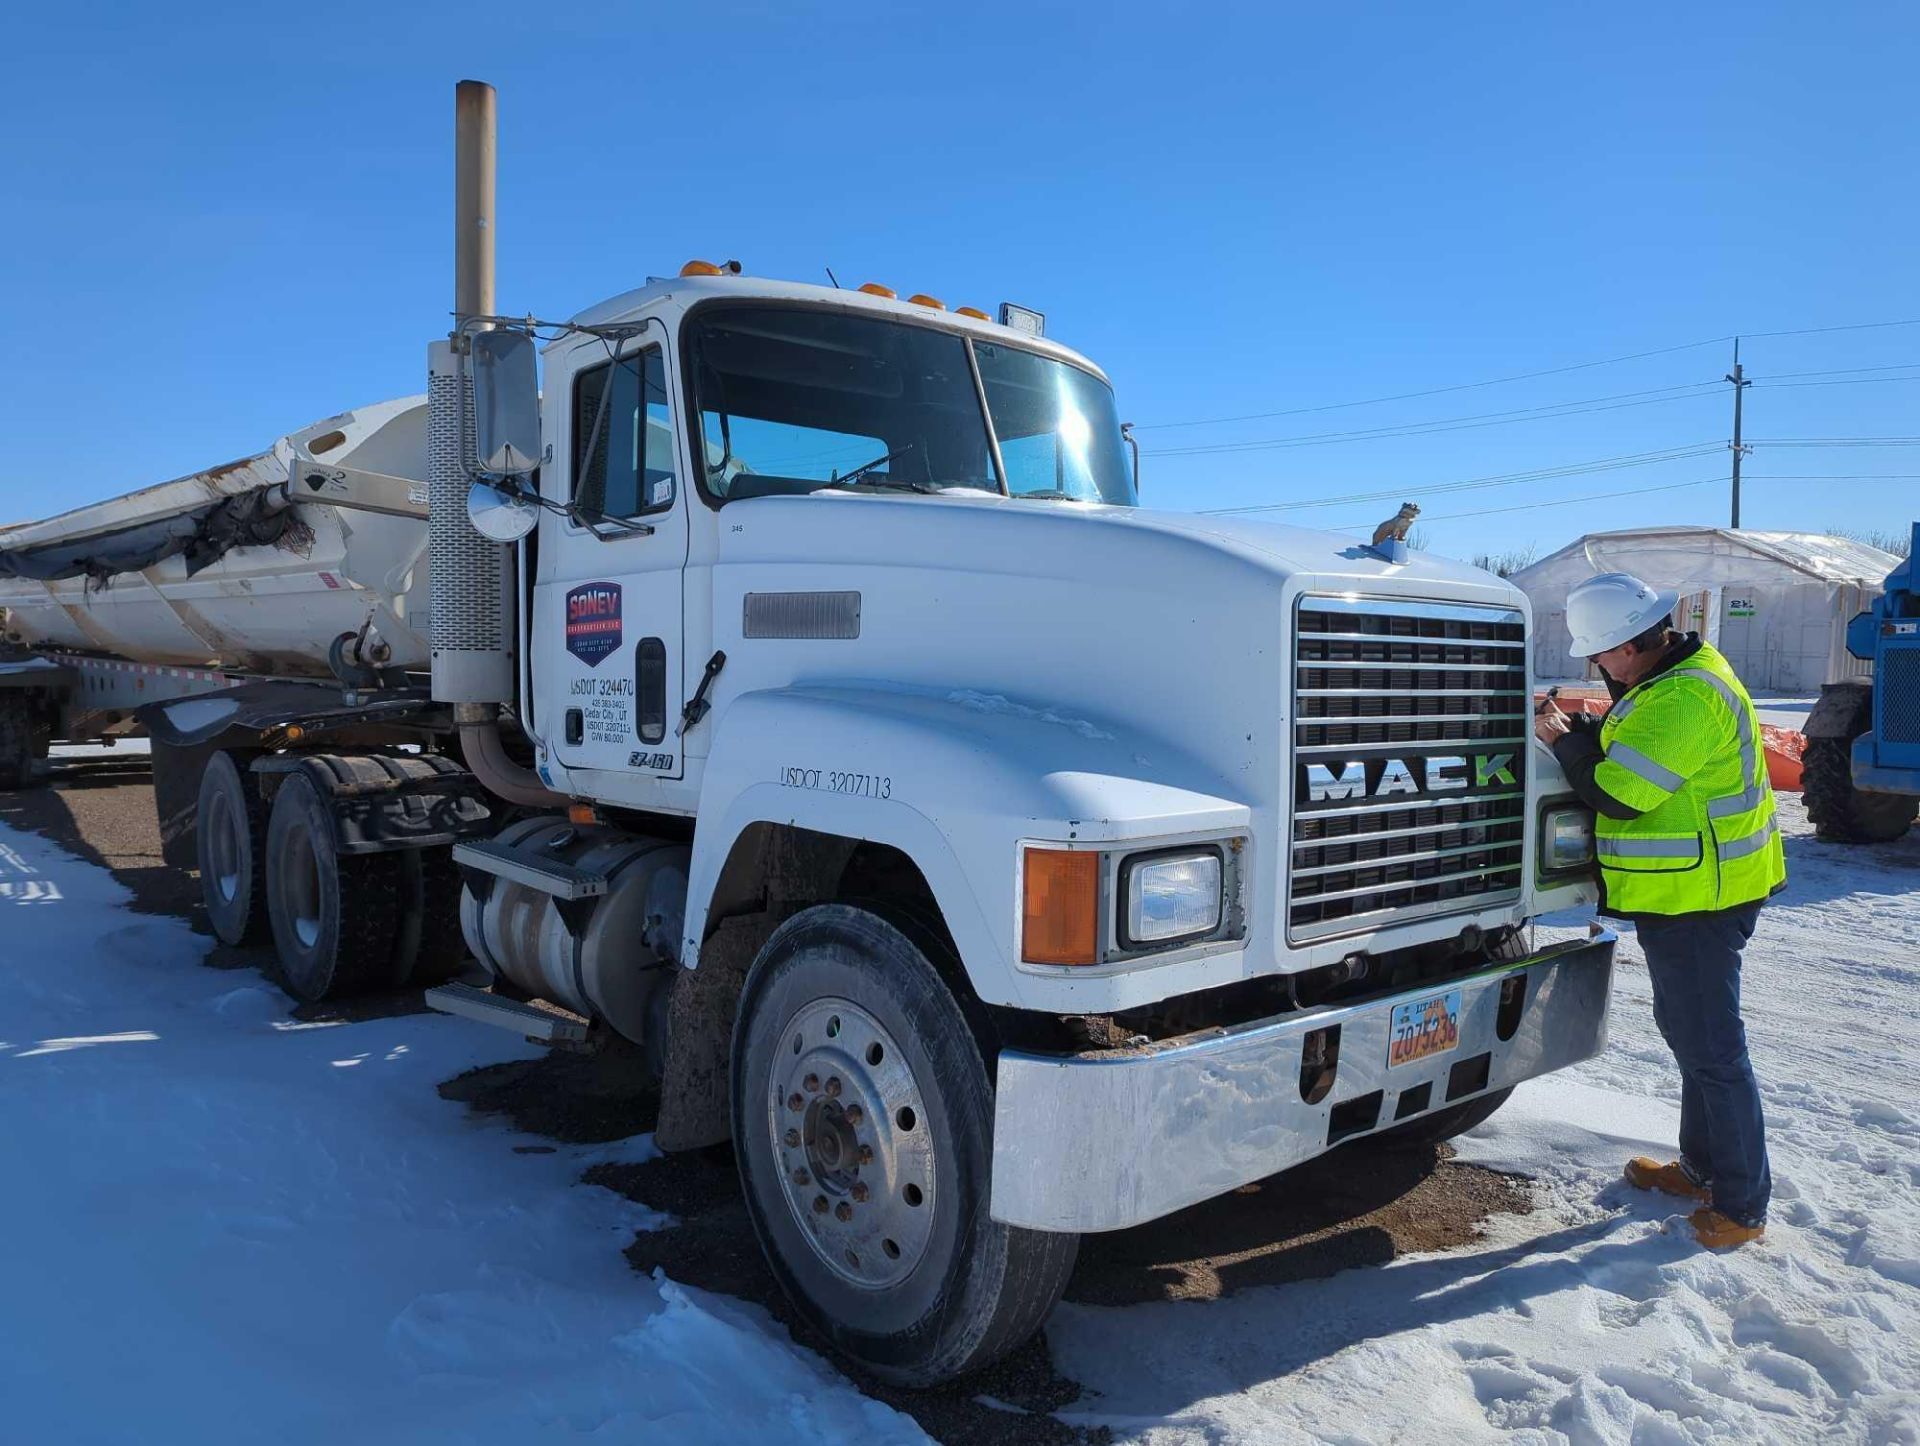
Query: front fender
x,y
956,782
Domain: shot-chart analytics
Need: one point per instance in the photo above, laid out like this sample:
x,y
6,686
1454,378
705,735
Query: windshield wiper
x,y
866,467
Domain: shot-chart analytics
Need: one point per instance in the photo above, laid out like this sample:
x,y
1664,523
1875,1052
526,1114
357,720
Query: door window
x,y
623,438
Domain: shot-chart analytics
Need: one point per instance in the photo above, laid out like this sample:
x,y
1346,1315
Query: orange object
x,y
874,288
1783,747
701,268
585,815
920,298
1060,913
973,311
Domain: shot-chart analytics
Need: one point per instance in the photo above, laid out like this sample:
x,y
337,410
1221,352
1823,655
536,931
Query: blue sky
x,y
224,222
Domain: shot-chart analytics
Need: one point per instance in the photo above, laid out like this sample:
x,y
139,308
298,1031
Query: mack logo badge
x,y
1444,772
593,621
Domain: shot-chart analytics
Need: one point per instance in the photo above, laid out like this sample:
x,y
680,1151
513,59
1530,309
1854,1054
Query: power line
x,y
1556,502
1833,477
1503,479
1844,371
1550,412
1524,376
1835,442
1849,382
1438,391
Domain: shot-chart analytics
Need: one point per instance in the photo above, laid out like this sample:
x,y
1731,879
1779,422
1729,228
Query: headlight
x,y
1172,896
1566,839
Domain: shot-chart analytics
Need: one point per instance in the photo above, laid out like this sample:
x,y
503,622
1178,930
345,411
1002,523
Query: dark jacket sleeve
x,y
1578,754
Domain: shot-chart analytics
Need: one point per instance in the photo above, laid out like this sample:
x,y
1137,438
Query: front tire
x,y
863,1128
1840,812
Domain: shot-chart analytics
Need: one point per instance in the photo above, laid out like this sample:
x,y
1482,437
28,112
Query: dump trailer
x,y
1861,764
809,704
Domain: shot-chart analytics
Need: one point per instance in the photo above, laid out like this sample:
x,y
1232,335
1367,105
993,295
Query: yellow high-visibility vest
x,y
1684,747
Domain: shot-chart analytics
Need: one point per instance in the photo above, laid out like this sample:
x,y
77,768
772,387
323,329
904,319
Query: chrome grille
x,y
1410,721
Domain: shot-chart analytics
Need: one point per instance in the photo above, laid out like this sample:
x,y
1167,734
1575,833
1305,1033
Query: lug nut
x,y
801,1177
833,1087
795,1103
866,1154
859,1191
855,1115
819,1204
843,1212
792,1139
811,1084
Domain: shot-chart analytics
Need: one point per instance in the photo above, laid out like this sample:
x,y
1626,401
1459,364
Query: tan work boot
x,y
1645,1174
1719,1232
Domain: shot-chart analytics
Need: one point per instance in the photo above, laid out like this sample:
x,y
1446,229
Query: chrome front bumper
x,y
1103,1141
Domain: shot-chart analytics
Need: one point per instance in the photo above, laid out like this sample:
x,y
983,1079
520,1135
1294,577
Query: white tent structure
x,y
1776,603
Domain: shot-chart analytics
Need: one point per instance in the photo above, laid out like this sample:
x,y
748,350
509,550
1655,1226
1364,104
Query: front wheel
x,y
863,1127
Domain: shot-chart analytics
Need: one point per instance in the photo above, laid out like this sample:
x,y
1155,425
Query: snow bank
x,y
1598,1320
225,1226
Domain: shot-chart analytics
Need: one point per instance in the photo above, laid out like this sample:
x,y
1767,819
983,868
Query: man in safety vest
x,y
1689,849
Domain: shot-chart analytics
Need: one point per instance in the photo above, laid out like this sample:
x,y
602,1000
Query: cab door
x,y
608,634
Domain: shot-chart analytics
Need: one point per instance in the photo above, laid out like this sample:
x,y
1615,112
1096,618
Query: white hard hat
x,y
1604,611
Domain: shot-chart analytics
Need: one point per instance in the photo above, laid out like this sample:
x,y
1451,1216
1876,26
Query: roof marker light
x,y
920,298
973,311
1023,320
874,288
701,268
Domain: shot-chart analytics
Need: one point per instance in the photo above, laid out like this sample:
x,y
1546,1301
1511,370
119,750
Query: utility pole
x,y
1740,383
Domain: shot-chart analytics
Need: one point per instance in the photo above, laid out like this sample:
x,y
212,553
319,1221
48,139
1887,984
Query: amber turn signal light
x,y
1060,910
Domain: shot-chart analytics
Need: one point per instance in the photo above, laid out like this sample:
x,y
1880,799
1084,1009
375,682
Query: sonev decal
x,y
593,621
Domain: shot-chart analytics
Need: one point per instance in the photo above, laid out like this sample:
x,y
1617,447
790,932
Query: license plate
x,y
1422,1028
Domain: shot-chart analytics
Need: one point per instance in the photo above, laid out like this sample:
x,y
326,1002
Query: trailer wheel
x,y
863,1124
335,916
230,840
1840,812
16,740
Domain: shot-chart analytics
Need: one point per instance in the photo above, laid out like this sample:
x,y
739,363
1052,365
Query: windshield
x,y
1059,431
790,400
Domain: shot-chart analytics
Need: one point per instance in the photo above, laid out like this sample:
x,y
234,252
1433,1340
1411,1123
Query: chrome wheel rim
x,y
303,889
849,1132
224,849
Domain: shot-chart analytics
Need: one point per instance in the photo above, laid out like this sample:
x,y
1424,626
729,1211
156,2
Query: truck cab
x,y
979,794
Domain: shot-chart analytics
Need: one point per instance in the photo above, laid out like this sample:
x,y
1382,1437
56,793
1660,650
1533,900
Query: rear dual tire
x,y
863,1129
340,924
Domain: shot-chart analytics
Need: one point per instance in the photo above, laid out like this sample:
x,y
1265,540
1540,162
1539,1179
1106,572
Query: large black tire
x,y
230,841
335,916
890,1253
16,740
429,948
1840,812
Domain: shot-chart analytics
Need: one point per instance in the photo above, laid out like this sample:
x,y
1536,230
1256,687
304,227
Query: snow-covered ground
x,y
223,1225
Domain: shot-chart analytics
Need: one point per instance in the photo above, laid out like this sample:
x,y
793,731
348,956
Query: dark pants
x,y
1694,960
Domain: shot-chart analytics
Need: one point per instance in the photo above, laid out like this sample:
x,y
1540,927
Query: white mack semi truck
x,y
792,686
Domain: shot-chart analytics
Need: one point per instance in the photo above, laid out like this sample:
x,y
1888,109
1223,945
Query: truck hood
x,y
1086,541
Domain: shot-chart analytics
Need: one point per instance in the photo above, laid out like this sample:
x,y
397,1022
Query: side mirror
x,y
506,403
500,511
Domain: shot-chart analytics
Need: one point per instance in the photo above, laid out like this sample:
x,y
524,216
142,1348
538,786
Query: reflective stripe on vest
x,y
1641,766
1751,844
1735,803
1649,848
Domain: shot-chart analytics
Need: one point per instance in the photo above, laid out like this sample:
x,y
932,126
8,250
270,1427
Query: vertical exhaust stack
x,y
471,578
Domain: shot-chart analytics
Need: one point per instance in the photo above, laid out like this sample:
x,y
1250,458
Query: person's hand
x,y
1550,723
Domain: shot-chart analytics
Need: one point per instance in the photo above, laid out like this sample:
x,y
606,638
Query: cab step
x,y
549,1026
549,876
